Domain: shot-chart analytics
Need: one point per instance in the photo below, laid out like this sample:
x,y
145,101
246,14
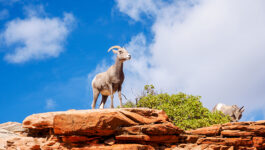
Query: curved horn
x,y
113,47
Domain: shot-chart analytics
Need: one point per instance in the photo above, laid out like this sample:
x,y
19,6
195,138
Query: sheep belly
x,y
106,92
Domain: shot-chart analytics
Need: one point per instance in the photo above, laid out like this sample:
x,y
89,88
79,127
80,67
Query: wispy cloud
x,y
34,10
210,48
50,104
36,37
135,9
101,67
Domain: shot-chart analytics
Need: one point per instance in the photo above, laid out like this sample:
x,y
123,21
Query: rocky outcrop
x,y
138,128
237,135
124,129
9,131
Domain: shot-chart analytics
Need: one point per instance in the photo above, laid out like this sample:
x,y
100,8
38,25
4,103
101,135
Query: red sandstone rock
x,y
104,122
161,129
220,147
203,147
260,122
138,116
189,138
75,129
159,139
209,131
25,143
37,143
226,141
257,129
40,121
259,142
234,133
77,139
239,123
117,147
246,148
152,129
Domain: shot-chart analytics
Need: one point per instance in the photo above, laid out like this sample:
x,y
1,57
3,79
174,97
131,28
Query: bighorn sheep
x,y
107,83
233,111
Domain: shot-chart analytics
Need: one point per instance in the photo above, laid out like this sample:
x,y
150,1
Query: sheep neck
x,y
118,67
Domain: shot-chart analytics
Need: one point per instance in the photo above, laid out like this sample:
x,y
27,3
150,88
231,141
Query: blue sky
x,y
50,51
26,86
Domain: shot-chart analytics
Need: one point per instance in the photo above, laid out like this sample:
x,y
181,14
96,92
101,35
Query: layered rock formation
x,y
138,128
238,135
124,129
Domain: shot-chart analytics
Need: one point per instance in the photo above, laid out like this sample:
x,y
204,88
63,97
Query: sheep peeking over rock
x,y
233,111
107,83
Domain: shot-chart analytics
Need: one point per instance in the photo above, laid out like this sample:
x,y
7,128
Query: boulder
x,y
8,131
40,121
104,122
25,143
226,141
189,138
209,131
14,127
257,129
77,139
152,129
236,133
259,142
158,139
117,147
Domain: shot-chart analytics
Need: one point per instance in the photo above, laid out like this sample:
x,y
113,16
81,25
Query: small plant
x,y
185,111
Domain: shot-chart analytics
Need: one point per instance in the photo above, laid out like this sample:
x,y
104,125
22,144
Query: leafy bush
x,y
185,111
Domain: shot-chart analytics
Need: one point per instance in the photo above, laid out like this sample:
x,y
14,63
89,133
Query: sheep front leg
x,y
119,92
111,95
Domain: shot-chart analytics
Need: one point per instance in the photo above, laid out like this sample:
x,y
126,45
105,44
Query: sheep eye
x,y
120,52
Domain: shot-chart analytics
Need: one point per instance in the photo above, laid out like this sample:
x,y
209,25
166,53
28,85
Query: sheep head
x,y
237,114
122,53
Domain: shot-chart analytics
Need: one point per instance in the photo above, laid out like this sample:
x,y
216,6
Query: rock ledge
x,y
124,129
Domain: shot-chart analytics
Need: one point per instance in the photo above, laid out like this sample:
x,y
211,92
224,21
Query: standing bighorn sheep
x,y
107,83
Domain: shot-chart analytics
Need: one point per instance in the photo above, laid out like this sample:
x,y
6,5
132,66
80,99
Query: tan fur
x,y
107,83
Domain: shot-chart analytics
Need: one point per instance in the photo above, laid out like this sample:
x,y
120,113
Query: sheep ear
x,y
115,51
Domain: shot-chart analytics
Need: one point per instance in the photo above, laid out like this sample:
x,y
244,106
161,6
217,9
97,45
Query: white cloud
x,y
136,8
34,10
215,49
36,38
4,14
50,104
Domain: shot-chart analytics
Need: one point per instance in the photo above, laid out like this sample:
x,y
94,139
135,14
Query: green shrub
x,y
185,111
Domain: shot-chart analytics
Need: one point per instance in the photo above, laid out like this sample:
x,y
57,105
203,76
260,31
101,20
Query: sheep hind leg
x,y
103,101
111,103
119,92
95,97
